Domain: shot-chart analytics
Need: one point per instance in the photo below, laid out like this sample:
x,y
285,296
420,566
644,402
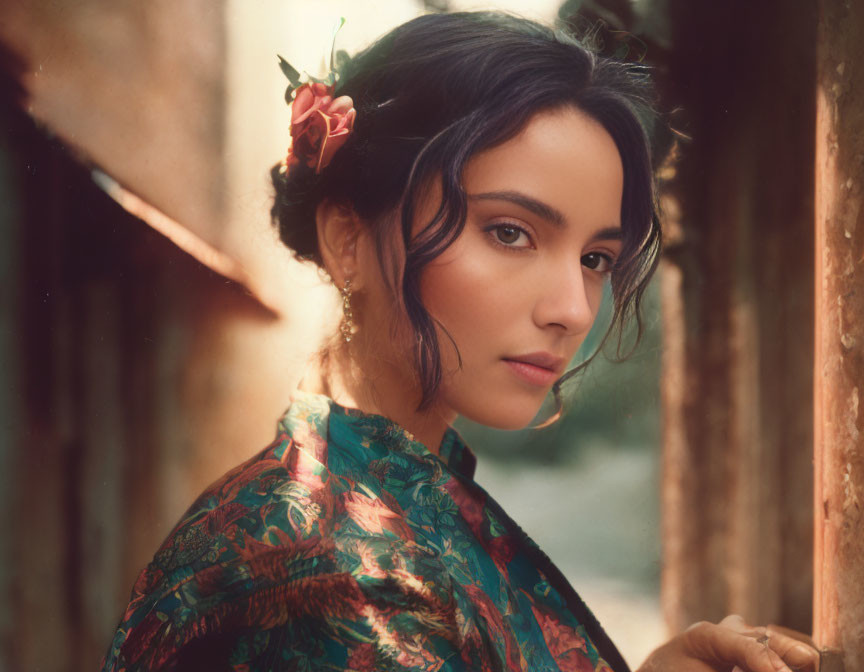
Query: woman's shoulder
x,y
290,497
290,531
239,507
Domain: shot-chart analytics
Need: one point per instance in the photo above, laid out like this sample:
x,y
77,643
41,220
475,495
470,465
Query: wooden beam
x,y
839,335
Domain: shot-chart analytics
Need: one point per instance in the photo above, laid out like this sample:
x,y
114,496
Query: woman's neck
x,y
375,387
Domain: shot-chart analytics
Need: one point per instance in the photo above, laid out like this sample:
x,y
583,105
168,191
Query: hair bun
x,y
293,211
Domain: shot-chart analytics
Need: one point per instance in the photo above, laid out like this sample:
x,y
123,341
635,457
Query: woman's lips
x,y
531,373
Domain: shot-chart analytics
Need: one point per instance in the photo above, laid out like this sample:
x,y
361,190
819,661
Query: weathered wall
x,y
132,377
139,86
839,366
737,383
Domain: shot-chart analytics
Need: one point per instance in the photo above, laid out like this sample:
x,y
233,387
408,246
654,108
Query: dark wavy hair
x,y
431,94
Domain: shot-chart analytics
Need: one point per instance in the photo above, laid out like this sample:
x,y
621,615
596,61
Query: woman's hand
x,y
734,645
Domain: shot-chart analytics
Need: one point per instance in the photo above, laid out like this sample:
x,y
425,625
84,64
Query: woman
x,y
469,185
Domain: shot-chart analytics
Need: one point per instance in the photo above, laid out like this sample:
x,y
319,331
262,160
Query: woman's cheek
x,y
465,292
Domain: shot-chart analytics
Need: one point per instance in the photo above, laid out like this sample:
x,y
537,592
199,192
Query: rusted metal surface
x,y
839,351
737,383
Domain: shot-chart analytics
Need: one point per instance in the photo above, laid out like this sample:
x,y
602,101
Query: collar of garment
x,y
349,427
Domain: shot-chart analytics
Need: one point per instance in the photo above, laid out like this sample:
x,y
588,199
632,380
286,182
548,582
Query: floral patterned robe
x,y
347,545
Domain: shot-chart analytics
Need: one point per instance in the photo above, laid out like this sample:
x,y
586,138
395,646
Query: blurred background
x,y
152,327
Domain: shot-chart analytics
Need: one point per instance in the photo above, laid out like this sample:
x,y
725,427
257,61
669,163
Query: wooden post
x,y
839,337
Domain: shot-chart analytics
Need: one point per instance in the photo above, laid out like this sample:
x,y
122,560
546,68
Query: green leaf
x,y
289,71
333,43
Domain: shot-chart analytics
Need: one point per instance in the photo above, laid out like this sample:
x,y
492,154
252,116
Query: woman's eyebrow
x,y
609,233
539,208
544,210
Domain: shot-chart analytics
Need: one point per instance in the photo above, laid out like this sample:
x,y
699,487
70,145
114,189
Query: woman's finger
x,y
795,653
720,643
737,623
795,648
794,634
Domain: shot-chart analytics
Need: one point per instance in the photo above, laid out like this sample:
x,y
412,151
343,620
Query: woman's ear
x,y
338,228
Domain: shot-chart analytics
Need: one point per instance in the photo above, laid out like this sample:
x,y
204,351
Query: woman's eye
x,y
598,261
510,235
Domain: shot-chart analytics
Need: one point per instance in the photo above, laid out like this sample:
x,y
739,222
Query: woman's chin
x,y
500,412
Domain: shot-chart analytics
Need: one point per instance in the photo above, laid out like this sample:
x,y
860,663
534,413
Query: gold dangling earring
x,y
347,324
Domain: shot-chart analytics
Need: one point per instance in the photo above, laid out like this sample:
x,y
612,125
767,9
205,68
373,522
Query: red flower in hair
x,y
320,125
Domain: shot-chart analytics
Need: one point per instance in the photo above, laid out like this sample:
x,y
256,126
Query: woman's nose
x,y
563,300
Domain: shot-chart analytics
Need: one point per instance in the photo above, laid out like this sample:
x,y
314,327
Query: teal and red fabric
x,y
348,545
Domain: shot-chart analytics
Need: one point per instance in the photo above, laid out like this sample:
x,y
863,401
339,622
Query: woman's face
x,y
520,288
